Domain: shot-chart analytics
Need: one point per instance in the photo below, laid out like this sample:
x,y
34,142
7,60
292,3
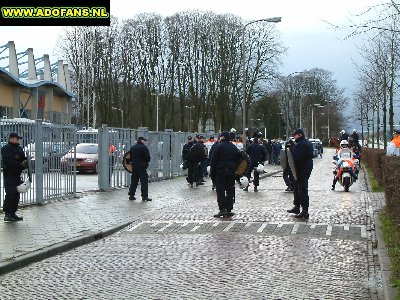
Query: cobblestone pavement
x,y
174,248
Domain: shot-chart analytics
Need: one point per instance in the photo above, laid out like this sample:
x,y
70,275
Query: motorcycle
x,y
346,172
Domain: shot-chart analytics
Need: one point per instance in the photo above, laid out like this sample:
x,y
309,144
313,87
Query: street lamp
x,y
157,108
122,115
329,104
271,20
190,116
312,117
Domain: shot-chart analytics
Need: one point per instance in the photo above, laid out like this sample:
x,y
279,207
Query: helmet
x,y
354,130
342,131
344,144
233,130
24,187
244,181
260,168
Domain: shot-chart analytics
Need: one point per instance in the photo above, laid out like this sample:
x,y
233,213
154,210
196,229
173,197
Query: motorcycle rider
x,y
344,154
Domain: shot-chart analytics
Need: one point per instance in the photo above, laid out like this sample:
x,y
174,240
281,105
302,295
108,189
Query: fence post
x,y
103,176
39,161
166,153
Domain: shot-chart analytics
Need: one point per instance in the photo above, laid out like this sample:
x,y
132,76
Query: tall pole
x,y
157,95
329,104
312,121
157,115
273,20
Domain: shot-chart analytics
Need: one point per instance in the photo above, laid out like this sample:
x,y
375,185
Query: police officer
x,y
14,161
257,156
185,152
224,161
140,158
302,156
343,136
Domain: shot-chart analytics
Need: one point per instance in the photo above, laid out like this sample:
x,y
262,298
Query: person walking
x,y
187,164
302,156
140,159
224,161
257,156
14,162
393,148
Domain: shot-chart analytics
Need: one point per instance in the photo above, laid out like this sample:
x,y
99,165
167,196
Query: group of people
x,y
224,157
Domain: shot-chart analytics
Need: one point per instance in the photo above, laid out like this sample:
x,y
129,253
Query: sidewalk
x,y
59,226
339,239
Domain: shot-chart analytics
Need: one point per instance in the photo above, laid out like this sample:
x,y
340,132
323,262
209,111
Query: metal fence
x,y
45,144
55,157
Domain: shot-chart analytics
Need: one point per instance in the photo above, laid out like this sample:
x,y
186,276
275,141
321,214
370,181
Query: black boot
x,y
304,214
334,183
294,210
221,213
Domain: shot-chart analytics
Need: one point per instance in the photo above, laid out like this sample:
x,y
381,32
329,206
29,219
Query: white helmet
x,y
209,169
354,130
244,181
343,143
260,168
24,187
181,166
233,130
342,131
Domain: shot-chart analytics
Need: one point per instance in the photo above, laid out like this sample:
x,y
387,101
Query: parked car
x,y
87,156
52,153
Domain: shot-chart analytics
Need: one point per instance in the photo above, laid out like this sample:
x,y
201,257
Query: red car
x,y
87,156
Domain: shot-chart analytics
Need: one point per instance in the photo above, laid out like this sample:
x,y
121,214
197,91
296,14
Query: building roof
x,y
11,79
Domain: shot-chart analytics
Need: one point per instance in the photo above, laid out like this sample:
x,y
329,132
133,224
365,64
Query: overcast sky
x,y
311,42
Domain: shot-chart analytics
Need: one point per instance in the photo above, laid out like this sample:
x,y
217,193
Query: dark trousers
x,y
139,174
225,187
301,197
193,172
11,198
256,175
288,177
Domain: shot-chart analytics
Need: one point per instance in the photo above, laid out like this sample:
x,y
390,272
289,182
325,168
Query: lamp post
x,y
312,117
122,115
329,104
271,20
190,117
157,108
279,124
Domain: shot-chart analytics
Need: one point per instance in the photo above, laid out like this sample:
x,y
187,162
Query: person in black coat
x,y
14,162
140,159
257,156
224,161
343,136
302,156
210,157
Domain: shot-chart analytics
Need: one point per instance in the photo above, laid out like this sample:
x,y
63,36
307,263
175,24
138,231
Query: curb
x,y
26,259
389,291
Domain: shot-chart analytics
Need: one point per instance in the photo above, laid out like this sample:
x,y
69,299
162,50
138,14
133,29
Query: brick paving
x,y
172,247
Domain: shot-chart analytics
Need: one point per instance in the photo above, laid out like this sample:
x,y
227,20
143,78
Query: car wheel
x,y
96,168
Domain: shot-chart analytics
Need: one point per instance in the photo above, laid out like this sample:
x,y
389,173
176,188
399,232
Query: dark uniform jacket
x,y
12,157
185,150
225,156
303,157
344,136
140,156
257,153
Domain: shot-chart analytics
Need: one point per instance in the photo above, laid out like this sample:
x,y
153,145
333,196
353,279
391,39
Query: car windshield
x,y
86,148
